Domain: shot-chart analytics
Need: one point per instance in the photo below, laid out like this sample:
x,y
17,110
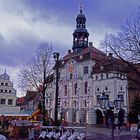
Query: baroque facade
x,y
85,73
7,96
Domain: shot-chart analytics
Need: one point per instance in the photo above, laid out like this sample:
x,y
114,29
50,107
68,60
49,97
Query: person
x,y
3,122
63,123
11,131
80,122
2,137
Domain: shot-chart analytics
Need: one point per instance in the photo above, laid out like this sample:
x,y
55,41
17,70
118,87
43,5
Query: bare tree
x,y
35,74
126,45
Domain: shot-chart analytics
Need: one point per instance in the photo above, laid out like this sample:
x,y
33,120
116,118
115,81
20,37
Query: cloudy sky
x,y
24,24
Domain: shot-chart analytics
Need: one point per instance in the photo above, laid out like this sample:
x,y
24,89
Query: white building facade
x,y
83,80
7,96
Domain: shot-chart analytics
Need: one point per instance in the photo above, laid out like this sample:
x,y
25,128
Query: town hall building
x,y
86,73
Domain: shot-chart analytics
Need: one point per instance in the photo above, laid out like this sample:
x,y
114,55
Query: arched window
x,y
74,103
75,88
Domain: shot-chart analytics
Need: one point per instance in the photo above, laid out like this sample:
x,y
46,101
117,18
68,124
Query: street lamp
x,y
56,58
118,102
104,101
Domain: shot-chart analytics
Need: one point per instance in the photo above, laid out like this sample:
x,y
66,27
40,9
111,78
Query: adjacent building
x,y
7,96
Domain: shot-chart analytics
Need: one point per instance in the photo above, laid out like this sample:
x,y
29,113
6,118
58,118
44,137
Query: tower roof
x,y
81,15
5,76
80,35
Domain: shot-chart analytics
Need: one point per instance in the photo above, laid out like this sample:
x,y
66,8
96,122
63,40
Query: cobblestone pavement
x,y
99,133
124,137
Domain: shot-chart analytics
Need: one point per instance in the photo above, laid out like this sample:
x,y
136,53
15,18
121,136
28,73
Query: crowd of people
x,y
16,127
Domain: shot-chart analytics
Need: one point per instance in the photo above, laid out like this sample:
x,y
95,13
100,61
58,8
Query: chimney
x,y
90,44
69,51
110,56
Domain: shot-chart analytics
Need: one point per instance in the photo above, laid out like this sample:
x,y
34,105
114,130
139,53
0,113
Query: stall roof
x,y
15,115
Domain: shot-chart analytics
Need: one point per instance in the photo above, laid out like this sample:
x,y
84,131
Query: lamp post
x,y
56,58
118,102
104,102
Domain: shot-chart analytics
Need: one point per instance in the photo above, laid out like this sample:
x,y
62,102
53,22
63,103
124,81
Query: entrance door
x,y
99,117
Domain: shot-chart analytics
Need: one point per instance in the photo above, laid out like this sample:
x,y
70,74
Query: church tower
x,y
80,35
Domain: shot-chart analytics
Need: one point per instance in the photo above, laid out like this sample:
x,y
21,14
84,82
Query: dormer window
x,y
107,75
71,75
101,75
86,70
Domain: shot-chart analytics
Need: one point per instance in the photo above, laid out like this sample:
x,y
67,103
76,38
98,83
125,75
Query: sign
x,y
58,103
133,127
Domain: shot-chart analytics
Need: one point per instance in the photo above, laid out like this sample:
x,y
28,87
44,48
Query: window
x,y
2,83
75,88
3,101
86,70
121,88
65,90
6,84
65,103
10,101
1,90
106,88
85,103
71,75
98,89
86,85
74,103
101,76
98,98
9,91
47,102
5,91
96,77
120,96
107,75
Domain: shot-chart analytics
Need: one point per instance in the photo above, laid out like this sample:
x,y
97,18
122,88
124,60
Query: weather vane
x,y
81,6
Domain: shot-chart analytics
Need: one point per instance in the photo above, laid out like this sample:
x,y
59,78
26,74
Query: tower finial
x,y
81,7
5,71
